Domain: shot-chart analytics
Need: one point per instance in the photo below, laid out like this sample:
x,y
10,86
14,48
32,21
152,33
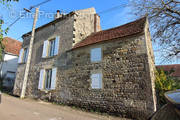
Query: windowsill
x,y
49,57
96,89
22,63
96,61
46,90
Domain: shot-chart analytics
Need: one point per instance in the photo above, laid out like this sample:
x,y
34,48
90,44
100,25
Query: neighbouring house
x,y
9,64
174,68
74,62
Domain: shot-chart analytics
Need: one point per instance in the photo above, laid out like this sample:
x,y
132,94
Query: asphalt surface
x,y
12,108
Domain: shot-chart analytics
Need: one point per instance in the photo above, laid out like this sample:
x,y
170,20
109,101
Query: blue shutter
x,y
20,56
53,78
41,79
96,55
57,45
45,49
96,81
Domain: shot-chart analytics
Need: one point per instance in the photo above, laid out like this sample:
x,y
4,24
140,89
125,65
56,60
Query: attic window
x,y
96,55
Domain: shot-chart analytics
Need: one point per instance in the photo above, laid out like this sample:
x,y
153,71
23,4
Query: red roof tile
x,y
175,67
117,32
12,46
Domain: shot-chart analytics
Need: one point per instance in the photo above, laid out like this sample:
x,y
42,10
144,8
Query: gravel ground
x,y
12,108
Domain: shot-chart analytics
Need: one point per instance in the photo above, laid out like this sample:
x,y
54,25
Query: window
x,y
47,79
96,55
10,75
51,47
96,80
23,55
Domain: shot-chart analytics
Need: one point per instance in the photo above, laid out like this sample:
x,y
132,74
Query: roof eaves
x,y
50,23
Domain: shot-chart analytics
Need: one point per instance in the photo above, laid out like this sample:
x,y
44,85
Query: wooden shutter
x,y
57,45
20,55
45,49
96,81
41,79
96,55
53,78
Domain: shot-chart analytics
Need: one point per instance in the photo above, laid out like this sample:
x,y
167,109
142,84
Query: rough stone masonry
x,y
127,65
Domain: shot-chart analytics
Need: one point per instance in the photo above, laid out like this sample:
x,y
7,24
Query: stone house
x,y
74,62
9,63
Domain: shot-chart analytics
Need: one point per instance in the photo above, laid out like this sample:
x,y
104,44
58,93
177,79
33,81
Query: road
x,y
13,108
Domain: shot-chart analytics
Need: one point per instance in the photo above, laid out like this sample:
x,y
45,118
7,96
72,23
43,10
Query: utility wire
x,y
112,9
100,13
30,8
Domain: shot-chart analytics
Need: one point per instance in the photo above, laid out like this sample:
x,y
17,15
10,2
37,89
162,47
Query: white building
x,y
9,63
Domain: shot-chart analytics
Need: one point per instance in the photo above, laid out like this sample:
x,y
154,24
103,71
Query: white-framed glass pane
x,y
52,47
25,55
57,45
48,79
96,55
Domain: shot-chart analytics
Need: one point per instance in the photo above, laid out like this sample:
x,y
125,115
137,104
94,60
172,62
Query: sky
x,y
112,12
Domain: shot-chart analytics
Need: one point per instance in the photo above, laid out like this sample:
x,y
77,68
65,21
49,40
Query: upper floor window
x,y
47,79
96,55
23,55
51,47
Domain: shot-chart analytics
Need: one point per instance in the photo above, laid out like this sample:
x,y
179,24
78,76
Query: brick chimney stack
x,y
97,25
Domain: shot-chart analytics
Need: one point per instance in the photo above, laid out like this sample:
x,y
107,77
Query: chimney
x,y
58,14
97,25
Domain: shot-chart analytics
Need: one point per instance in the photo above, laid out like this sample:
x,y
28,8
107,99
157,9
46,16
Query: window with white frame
x,y
96,55
51,47
23,55
96,80
47,79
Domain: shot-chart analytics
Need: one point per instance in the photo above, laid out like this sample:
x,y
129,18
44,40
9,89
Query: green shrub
x,y
164,82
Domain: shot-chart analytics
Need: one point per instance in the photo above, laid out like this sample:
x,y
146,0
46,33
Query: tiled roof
x,y
175,67
117,32
12,46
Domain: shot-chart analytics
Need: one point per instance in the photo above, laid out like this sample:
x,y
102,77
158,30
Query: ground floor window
x,y
47,79
96,80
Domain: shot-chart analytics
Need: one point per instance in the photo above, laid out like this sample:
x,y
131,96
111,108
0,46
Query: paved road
x,y
13,108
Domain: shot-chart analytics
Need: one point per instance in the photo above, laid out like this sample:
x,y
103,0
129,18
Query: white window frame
x,y
96,84
22,56
43,79
93,53
47,47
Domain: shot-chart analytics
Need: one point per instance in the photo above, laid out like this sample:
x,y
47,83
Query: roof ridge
x,y
130,28
12,39
123,24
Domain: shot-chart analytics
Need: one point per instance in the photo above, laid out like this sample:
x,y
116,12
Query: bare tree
x,y
164,17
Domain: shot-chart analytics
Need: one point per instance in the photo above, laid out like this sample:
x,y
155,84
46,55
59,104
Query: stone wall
x,y
127,85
